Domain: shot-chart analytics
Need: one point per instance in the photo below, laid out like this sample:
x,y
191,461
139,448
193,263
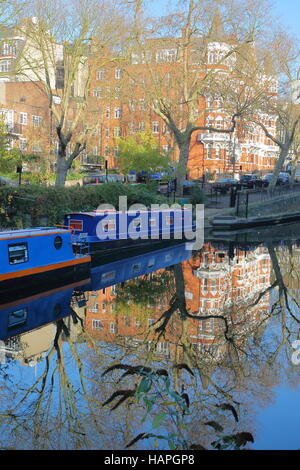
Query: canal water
x,y
163,349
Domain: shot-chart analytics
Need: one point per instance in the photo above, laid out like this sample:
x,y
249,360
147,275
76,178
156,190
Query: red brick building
x,y
117,107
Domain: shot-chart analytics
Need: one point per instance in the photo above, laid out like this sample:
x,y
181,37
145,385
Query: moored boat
x,y
105,229
32,257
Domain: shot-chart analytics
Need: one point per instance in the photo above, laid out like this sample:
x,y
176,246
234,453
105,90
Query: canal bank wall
x,y
280,209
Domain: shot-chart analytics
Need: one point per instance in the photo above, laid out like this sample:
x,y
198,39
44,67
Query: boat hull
x,y
36,282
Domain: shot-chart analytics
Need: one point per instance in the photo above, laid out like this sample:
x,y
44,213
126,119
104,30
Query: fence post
x,y
237,203
247,199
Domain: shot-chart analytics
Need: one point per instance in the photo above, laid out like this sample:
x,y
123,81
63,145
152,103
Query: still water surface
x,y
168,348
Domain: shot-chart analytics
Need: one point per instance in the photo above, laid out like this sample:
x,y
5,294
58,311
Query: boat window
x,y
151,262
58,242
17,318
108,276
136,267
76,224
18,253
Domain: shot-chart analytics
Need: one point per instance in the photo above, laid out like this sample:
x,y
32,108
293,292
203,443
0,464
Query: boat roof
x,y
132,212
30,232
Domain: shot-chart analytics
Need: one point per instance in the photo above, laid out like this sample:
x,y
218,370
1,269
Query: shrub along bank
x,y
32,206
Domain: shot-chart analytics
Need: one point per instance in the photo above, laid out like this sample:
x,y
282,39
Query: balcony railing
x,y
213,137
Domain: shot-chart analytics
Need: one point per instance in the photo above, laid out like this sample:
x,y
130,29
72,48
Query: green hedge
x,y
31,206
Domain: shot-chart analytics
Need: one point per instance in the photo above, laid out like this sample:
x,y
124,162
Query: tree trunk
x,y
61,171
278,167
182,166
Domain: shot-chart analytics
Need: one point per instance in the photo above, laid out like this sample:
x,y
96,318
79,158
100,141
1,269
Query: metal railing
x,y
249,196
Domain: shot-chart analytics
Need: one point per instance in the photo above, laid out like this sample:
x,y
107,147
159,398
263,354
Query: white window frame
x,y
118,112
118,74
155,127
23,143
37,120
23,118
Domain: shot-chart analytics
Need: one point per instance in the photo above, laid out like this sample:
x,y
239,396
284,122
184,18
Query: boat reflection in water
x,y
40,310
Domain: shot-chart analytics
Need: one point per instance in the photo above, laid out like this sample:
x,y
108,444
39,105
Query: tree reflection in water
x,y
187,351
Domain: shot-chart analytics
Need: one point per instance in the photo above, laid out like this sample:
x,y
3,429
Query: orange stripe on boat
x,y
41,269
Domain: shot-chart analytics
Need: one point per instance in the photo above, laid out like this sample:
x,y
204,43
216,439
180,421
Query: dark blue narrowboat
x,y
33,257
106,229
124,269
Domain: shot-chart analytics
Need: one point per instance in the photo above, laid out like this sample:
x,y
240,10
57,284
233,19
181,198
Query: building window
x,y
166,55
131,105
97,92
219,122
118,74
95,150
100,74
142,126
218,150
5,65
106,150
116,152
113,327
97,325
37,121
23,119
107,113
209,150
162,348
127,320
155,127
23,143
107,132
117,92
36,147
118,112
117,132
9,49
209,123
142,105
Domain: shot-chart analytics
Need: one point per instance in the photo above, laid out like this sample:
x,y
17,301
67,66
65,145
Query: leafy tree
x,y
140,153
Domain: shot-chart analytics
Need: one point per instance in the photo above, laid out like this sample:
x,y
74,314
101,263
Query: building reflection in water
x,y
218,282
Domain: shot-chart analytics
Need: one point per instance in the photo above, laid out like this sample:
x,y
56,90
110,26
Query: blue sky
x,y
289,12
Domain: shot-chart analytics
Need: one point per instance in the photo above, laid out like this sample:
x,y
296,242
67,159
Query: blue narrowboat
x,y
128,268
106,229
32,257
34,311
